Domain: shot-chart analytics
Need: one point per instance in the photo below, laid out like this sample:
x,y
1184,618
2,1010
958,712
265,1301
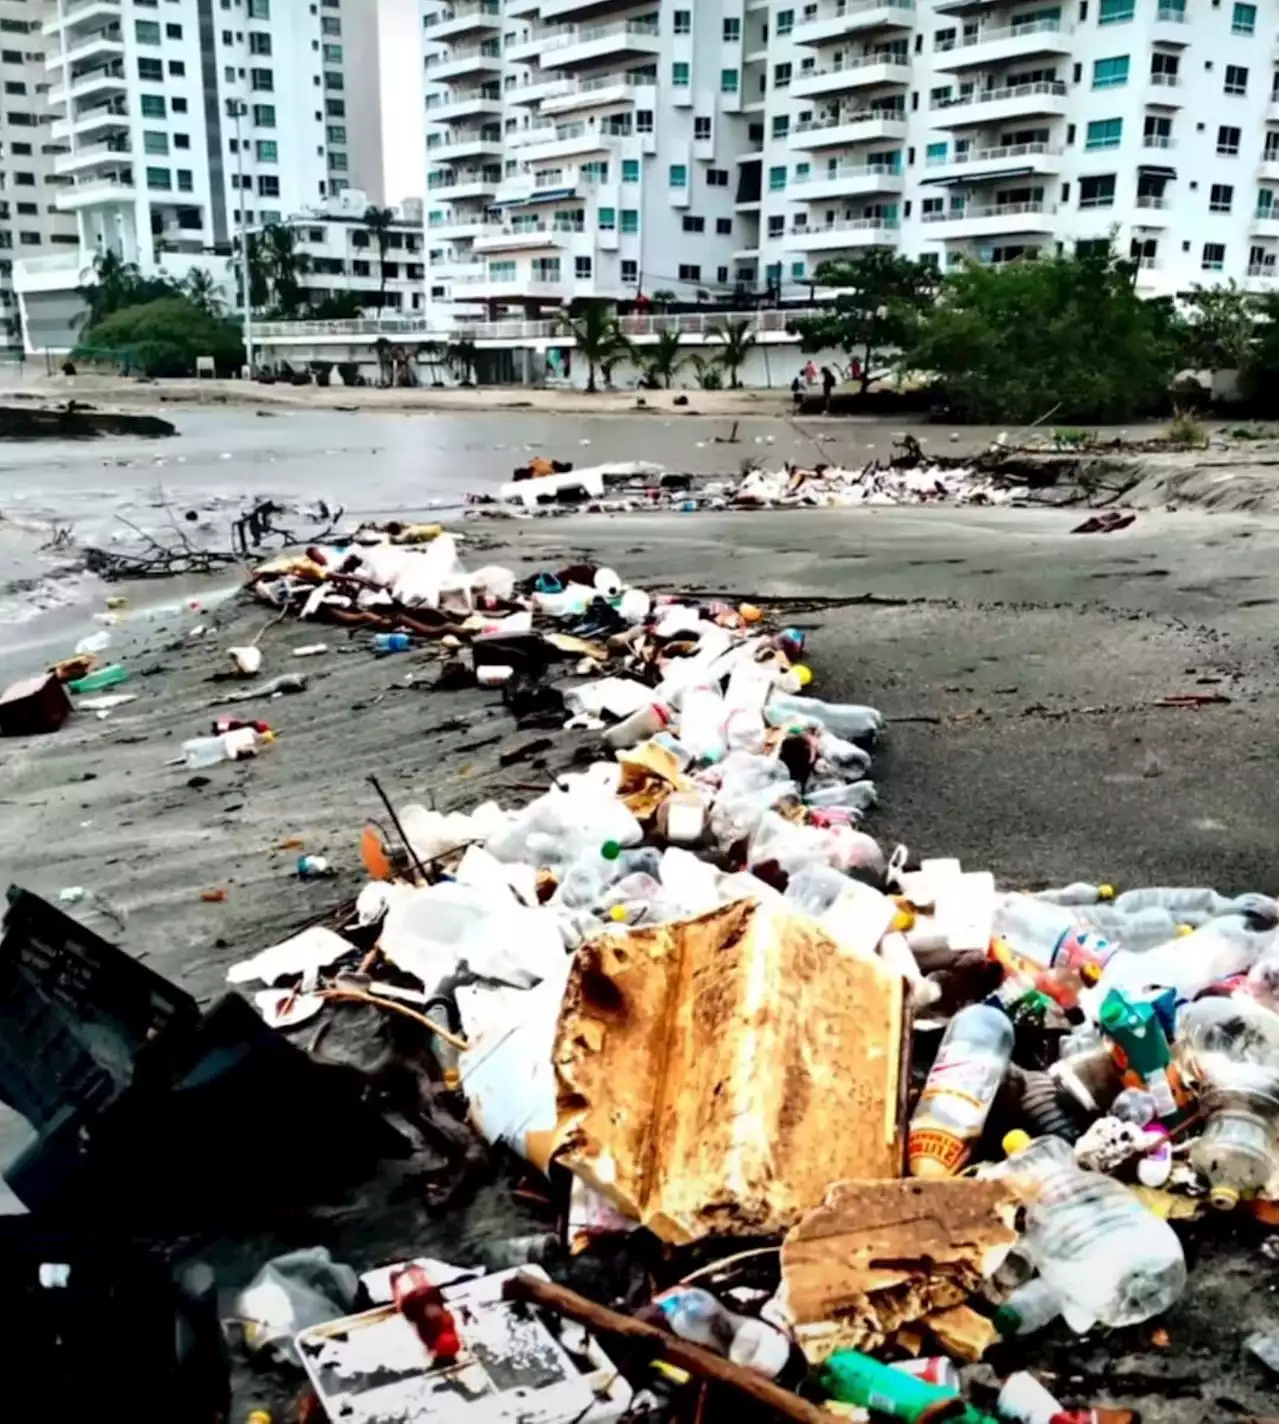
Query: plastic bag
x,y
291,1293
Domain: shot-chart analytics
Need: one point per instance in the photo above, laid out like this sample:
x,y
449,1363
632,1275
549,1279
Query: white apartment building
x,y
183,122
608,148
342,254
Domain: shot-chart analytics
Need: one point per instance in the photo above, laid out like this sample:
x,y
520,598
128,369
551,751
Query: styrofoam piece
x,y
310,950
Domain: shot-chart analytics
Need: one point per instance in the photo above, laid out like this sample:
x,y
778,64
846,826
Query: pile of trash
x,y
830,486
878,1115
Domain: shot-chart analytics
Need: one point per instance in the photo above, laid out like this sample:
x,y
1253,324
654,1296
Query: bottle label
x,y
1078,948
945,1148
957,1073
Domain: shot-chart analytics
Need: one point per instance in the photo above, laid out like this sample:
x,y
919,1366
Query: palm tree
x,y
707,370
664,357
259,270
462,355
285,264
378,223
202,291
596,334
382,349
663,298
114,285
738,338
432,355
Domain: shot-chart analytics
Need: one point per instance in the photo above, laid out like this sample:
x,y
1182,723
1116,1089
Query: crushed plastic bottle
x,y
1110,1260
962,1085
697,1316
846,720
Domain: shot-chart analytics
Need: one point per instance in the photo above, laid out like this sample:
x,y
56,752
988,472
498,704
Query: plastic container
x,y
1110,1260
638,727
847,720
962,1085
858,1379
1024,1400
701,726
235,745
110,676
1188,965
1079,892
1047,934
94,643
392,642
682,818
1031,1307
697,1316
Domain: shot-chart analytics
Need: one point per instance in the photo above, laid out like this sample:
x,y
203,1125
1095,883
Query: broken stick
x,y
697,1361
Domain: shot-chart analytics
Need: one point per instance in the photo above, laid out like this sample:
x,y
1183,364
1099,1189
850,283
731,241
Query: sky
x,y
400,68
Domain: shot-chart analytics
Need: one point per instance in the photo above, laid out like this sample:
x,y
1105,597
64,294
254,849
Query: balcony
x,y
853,126
1152,209
862,72
463,104
101,82
461,144
537,91
96,120
548,140
1265,222
524,237
463,62
580,10
457,226
460,184
105,45
1260,277
1165,91
998,44
853,17
515,289
1170,25
992,220
111,189
976,165
473,17
595,93
1269,169
85,14
1159,141
90,156
848,180
998,105
848,233
622,42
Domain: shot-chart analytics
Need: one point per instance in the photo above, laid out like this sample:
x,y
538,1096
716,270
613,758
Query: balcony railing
x,y
994,155
850,170
1003,32
1261,269
489,50
990,210
1147,200
853,116
463,12
846,225
567,35
1157,141
1171,15
993,96
842,9
861,61
1164,81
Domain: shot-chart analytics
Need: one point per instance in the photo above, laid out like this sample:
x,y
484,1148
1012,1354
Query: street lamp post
x,y
235,111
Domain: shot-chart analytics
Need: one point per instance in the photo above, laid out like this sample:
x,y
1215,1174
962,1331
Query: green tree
x,y
285,267
1067,335
116,284
462,356
163,338
875,310
202,291
259,270
1222,325
737,338
707,371
1259,376
664,358
341,306
596,335
378,223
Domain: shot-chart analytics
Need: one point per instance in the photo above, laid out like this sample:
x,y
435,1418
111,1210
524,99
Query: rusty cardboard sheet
x,y
876,1257
716,1074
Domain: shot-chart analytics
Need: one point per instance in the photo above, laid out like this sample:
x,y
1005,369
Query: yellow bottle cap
x,y
1015,1141
804,675
1180,930
904,918
617,913
267,737
259,1416
1106,892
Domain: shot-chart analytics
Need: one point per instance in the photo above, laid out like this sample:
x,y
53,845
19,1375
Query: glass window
x,y
1103,133
332,53
781,125
784,22
152,106
262,80
336,133
690,272
177,67
265,150
630,170
644,121
1098,192
935,153
691,223
682,21
1236,81
179,105
182,140
1213,257
677,176
150,69
701,128
797,271
264,116
159,178
732,29
1228,141
153,142
173,32
630,270
259,42
330,25
336,108
259,9
1244,19
1220,195
186,183
728,81
607,219
781,75
333,81
630,220
1111,73
146,32
1115,12
268,185
724,227
680,74
717,177
777,178
581,268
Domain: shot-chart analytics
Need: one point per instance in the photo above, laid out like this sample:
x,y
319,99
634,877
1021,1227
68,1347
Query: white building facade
x,y
608,148
342,255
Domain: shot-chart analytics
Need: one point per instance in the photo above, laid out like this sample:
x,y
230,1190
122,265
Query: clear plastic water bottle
x,y
1188,965
844,719
1134,930
697,1316
1047,934
962,1084
1079,892
701,727
1109,1259
392,642
1031,1307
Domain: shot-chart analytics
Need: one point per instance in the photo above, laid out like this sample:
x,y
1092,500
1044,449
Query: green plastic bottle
x,y
855,1378
110,676
1141,1052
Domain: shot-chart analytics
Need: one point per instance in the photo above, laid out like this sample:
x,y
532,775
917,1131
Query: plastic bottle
x,y
959,1091
589,875
702,722
1189,964
858,1379
850,795
837,755
1229,1049
110,676
697,1316
1135,1105
94,643
1079,892
639,726
1031,1307
236,745
1047,934
1187,904
1024,1400
844,719
1134,930
392,642
1109,1259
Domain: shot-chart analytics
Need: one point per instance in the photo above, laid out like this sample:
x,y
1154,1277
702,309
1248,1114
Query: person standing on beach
x,y
828,384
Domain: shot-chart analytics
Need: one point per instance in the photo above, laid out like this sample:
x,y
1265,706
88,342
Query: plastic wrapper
x,y
291,1293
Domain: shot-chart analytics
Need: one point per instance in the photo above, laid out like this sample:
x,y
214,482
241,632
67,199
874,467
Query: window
x,y
680,74
1271,146
781,125
260,9
173,32
265,150
332,53
259,42
581,268
606,220
29,239
146,32
677,176
330,25
179,106
630,170
701,129
693,224
717,177
336,133
159,178
262,80
728,81
338,162
594,172
333,81
336,108
690,272
1267,204
268,185
802,172
1244,19
630,219
1213,257
264,116
1111,73
1236,80
29,210
186,184
797,271
152,106
153,142
1220,197
731,30
777,178
25,180
724,227
630,270
1228,141
781,75
777,224
935,153
784,22
177,68
1099,192
498,271
150,69
1115,12
682,22
1103,133
14,86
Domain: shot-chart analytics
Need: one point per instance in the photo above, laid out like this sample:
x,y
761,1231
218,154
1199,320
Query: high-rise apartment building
x,y
604,147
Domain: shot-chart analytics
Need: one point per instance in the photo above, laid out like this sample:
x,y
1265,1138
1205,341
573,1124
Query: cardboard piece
x,y
878,1256
715,1074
